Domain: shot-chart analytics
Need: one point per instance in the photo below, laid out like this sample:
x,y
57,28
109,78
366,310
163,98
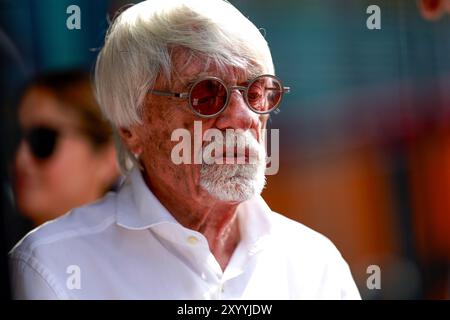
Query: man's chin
x,y
238,187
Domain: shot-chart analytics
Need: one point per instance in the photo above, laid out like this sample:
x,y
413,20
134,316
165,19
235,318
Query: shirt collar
x,y
254,223
139,209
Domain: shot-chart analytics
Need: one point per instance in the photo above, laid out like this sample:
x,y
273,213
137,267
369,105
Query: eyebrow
x,y
193,79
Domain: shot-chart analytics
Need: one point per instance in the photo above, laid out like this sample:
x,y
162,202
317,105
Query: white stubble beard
x,y
235,182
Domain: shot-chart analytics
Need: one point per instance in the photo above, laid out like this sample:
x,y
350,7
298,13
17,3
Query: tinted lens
x,y
42,141
208,97
264,94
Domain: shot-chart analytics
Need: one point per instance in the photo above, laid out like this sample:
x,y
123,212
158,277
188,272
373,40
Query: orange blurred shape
x,y
430,166
433,9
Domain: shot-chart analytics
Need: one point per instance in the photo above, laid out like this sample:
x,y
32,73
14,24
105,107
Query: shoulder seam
x,y
104,224
25,258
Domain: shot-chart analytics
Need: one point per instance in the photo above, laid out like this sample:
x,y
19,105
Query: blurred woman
x,y
66,156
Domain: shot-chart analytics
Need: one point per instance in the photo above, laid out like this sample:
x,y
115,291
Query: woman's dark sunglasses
x,y
42,141
209,96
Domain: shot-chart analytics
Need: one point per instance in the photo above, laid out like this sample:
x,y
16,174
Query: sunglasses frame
x,y
58,132
27,137
229,90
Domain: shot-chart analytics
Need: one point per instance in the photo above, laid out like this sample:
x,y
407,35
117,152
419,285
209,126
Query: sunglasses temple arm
x,y
182,95
285,89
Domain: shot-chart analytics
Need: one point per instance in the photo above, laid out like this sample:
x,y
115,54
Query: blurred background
x,y
364,133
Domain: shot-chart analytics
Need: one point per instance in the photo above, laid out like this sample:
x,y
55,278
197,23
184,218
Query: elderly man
x,y
190,230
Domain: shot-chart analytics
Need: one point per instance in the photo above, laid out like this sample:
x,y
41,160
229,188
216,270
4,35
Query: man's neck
x,y
216,220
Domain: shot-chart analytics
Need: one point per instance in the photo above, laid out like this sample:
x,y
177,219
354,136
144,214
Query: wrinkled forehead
x,y
188,66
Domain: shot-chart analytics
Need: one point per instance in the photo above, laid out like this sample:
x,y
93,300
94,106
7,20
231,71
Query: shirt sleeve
x,y
30,281
349,290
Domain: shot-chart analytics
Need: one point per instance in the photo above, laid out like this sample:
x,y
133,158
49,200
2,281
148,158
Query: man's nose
x,y
237,115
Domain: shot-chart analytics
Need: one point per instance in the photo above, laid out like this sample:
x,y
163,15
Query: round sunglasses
x,y
209,96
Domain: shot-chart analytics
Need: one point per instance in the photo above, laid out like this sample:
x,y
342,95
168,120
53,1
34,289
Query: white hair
x,y
138,48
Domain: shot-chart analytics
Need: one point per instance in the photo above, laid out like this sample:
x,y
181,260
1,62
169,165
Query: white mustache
x,y
235,147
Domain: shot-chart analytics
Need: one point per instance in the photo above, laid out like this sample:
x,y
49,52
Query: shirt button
x,y
192,240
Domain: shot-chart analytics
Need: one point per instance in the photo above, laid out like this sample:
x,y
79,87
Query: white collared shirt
x,y
128,246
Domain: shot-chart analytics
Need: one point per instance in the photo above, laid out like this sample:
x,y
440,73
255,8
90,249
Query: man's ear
x,y
131,139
